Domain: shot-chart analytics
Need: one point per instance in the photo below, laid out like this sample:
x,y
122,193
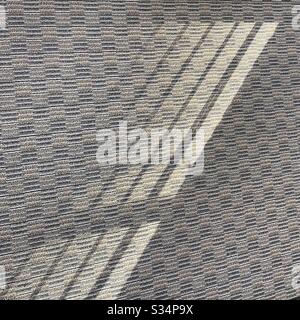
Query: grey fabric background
x,y
70,68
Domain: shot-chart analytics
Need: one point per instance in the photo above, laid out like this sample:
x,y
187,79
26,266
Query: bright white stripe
x,y
224,100
68,263
199,100
189,78
96,264
127,263
179,94
65,269
175,59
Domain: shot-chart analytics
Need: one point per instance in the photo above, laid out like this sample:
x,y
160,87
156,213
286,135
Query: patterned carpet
x,y
72,229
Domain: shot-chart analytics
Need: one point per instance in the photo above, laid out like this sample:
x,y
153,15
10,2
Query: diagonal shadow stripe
x,y
202,91
169,90
143,90
204,112
225,99
189,98
112,263
81,267
14,278
68,265
181,71
38,262
130,258
174,81
225,77
95,261
50,271
211,43
160,64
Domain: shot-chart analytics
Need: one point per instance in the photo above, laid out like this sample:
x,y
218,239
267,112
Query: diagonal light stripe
x,y
127,263
184,46
198,102
95,265
180,93
180,53
38,281
72,259
36,268
190,77
52,286
174,62
224,100
173,36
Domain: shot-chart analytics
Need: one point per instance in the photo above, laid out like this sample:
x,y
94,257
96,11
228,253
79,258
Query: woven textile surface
x,y
73,229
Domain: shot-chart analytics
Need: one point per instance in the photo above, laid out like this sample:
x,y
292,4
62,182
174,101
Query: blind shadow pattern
x,y
71,229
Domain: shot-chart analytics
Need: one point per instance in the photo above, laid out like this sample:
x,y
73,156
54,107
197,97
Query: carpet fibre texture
x,y
73,229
